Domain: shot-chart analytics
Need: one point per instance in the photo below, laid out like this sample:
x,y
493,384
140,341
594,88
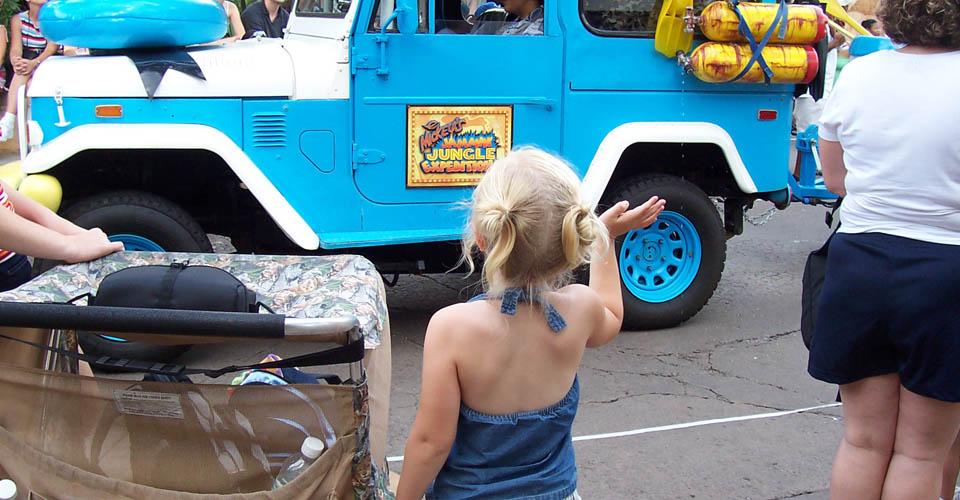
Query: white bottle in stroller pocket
x,y
310,450
8,490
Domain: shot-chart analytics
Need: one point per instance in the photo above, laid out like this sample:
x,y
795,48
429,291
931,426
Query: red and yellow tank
x,y
806,24
717,62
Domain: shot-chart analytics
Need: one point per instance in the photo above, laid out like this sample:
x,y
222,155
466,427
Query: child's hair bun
x,y
530,223
578,234
496,220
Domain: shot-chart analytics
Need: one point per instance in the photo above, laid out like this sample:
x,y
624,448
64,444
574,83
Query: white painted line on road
x,y
702,423
699,423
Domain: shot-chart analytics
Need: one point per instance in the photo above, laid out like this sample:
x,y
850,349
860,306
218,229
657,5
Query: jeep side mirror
x,y
406,14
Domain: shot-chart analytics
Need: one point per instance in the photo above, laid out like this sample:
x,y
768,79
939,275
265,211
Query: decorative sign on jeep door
x,y
454,145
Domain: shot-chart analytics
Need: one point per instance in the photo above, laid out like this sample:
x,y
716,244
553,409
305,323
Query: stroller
x,y
66,436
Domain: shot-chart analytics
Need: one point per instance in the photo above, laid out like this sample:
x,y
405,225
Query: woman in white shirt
x,y
887,329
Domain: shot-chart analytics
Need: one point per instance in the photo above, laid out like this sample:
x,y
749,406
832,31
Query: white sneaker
x,y
6,130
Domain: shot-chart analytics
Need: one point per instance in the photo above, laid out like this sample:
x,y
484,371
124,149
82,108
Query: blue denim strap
x,y
511,296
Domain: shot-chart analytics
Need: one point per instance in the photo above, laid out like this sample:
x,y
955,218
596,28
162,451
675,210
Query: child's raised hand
x,y
619,220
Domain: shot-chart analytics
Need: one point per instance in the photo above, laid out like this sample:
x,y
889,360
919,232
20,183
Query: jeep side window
x,y
452,16
388,5
322,8
634,18
525,17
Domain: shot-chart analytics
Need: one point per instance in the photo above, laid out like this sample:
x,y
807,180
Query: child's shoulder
x,y
459,324
577,298
461,314
579,293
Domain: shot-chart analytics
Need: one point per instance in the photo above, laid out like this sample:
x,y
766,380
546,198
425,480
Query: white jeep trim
x,y
177,136
619,139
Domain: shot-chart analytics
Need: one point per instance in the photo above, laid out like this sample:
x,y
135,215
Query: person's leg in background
x,y
7,68
951,468
8,121
926,431
869,427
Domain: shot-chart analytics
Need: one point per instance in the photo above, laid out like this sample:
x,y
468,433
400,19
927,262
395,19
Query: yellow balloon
x,y
11,174
44,189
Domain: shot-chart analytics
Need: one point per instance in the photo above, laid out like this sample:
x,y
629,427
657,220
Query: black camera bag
x,y
175,286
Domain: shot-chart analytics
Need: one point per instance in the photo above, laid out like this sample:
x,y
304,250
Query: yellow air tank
x,y
717,62
806,24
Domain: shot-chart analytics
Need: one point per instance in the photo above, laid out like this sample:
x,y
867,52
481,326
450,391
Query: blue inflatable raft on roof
x,y
131,24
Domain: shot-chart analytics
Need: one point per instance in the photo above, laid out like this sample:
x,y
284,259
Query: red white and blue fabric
x,y
30,33
5,203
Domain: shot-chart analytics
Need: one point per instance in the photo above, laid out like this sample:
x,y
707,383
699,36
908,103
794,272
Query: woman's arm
x,y
435,426
16,40
604,271
834,171
49,50
235,23
4,38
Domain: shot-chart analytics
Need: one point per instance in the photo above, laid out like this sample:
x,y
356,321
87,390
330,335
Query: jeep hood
x,y
249,68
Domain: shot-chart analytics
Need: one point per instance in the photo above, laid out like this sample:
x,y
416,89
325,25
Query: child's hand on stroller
x,y
619,220
88,245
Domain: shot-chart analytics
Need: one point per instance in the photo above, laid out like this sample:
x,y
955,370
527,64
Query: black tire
x,y
683,301
142,214
137,213
148,216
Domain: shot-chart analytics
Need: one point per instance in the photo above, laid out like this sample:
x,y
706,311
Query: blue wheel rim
x,y
660,262
136,243
133,243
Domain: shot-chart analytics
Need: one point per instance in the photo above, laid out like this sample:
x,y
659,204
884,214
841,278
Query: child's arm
x,y
28,238
604,272
31,210
435,426
38,232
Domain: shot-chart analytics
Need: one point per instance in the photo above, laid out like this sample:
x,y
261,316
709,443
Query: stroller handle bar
x,y
342,330
141,320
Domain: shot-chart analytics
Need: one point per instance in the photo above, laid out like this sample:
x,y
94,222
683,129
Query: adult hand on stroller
x,y
619,220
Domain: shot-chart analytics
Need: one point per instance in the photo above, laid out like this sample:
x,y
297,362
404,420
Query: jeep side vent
x,y
269,130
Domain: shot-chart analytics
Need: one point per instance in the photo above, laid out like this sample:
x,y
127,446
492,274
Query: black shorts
x,y
31,54
14,272
890,305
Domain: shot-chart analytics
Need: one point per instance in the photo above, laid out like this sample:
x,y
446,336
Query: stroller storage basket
x,y
68,436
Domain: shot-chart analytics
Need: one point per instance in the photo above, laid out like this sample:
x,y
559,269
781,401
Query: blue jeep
x,y
364,126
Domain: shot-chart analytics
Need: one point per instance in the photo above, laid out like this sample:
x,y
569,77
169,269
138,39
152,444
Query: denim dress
x,y
527,455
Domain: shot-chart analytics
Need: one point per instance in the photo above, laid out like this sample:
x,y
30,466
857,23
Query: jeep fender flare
x,y
620,138
178,136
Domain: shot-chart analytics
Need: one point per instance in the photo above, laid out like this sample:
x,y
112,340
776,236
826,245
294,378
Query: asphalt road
x,y
705,401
